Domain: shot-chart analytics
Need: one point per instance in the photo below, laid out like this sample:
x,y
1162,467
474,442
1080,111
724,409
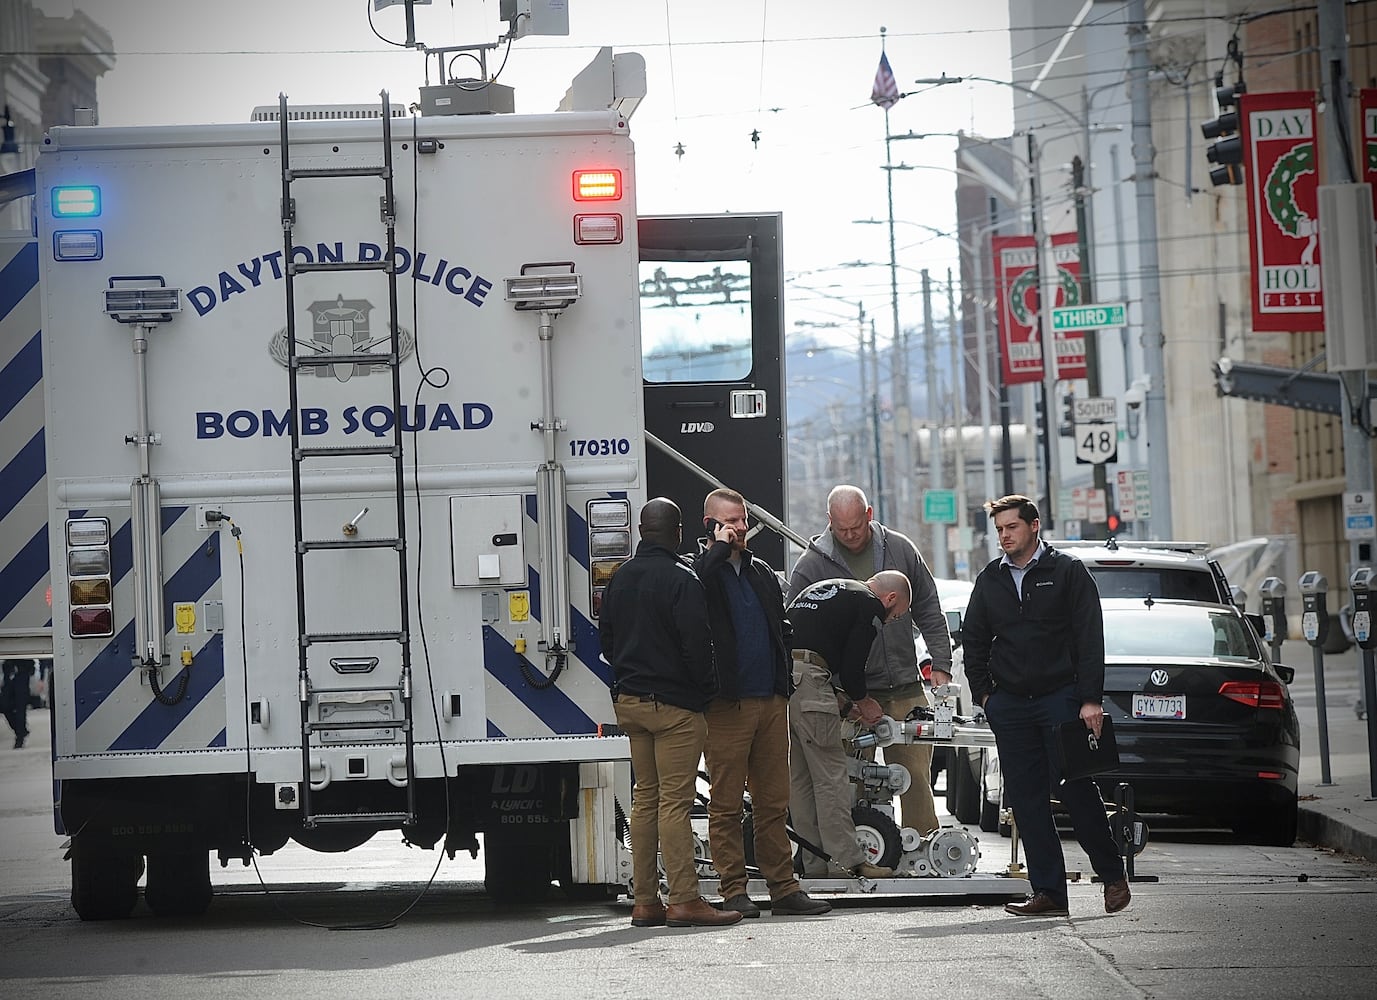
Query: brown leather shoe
x,y
1116,895
648,914
1038,905
699,913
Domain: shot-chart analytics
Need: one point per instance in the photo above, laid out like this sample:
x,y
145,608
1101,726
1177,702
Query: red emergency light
x,y
597,185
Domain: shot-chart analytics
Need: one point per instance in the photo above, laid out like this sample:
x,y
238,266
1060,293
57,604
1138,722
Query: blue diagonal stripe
x,y
578,537
589,646
551,705
22,573
18,277
115,661
18,378
21,474
156,722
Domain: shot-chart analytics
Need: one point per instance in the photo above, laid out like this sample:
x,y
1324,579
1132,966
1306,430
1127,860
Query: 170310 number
x,y
584,447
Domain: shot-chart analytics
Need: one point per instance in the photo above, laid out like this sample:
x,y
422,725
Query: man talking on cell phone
x,y
1034,642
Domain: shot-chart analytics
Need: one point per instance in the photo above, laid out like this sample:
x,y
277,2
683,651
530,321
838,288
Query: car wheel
x,y
1271,827
963,791
989,807
105,886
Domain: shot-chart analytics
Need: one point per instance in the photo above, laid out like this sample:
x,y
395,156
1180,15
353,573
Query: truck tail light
x,y
597,228
90,588
597,185
1255,694
609,545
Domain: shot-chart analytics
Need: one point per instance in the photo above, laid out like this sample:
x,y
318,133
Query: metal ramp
x,y
314,724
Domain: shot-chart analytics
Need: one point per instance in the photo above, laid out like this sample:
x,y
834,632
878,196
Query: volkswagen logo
x,y
1158,678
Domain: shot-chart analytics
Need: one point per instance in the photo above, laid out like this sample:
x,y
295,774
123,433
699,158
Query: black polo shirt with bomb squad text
x,y
837,619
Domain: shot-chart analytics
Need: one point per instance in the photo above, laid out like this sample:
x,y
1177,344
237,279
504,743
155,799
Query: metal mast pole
x,y
1153,337
903,417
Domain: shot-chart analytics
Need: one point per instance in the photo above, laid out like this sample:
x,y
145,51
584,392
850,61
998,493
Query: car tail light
x,y
1255,694
1270,775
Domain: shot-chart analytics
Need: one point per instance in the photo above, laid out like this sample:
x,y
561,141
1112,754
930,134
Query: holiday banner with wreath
x,y
1279,150
1016,289
1369,103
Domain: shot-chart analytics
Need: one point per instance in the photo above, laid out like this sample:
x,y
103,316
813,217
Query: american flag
x,y
885,92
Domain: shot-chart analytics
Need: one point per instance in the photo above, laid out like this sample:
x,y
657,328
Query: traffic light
x,y
1068,414
1114,523
1226,152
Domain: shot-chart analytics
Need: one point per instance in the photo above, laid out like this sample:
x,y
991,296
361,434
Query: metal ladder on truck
x,y
311,363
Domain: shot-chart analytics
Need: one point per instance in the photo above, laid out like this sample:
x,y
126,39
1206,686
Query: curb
x,y
1338,829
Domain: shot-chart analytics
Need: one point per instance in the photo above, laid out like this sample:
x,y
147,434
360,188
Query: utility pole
x,y
961,556
977,253
875,425
939,530
1338,169
1047,299
1092,337
903,412
1153,338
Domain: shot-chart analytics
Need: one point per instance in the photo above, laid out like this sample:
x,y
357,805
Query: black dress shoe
x,y
742,904
1038,905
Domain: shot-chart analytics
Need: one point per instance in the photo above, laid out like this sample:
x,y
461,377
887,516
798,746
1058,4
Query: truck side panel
x,y
24,611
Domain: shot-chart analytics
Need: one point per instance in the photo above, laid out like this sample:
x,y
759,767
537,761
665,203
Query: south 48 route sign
x,y
1097,443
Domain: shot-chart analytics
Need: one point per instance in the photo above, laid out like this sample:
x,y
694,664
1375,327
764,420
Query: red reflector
x,y
1255,694
91,621
597,185
1270,775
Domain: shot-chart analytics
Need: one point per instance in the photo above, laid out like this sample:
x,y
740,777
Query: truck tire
x,y
178,883
105,886
516,870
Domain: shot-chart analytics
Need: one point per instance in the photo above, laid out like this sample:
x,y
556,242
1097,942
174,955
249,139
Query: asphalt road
x,y
1224,920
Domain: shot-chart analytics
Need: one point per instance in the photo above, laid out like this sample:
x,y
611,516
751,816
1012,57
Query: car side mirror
x,y
954,627
1287,674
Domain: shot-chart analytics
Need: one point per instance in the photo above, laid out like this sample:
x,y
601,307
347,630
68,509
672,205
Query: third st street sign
x,y
1090,317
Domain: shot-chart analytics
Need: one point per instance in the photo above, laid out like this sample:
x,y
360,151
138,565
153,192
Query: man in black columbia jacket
x,y
1034,642
653,627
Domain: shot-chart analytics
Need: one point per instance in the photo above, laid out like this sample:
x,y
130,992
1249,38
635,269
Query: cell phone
x,y
712,524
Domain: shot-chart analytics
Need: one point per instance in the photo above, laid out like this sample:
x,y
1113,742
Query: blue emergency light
x,y
76,202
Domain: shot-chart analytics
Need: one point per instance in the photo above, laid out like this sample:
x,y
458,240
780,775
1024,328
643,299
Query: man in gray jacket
x,y
856,546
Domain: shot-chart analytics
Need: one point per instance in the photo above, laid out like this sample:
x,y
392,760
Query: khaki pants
x,y
916,806
748,748
666,743
819,789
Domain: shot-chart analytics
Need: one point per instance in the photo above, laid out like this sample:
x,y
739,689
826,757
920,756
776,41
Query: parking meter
x,y
1315,628
1273,591
1314,611
1360,583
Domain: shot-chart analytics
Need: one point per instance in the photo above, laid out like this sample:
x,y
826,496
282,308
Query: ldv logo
x,y
701,428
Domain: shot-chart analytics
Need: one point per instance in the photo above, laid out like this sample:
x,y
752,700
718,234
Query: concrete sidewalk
x,y
1342,814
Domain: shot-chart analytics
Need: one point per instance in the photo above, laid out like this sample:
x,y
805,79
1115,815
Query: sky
x,y
797,71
